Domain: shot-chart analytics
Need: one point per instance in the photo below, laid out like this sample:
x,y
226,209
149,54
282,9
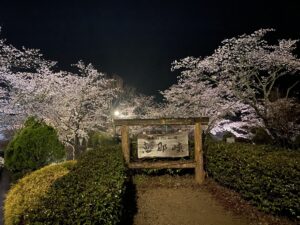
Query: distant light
x,y
116,113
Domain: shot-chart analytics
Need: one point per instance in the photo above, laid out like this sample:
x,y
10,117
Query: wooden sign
x,y
196,163
168,145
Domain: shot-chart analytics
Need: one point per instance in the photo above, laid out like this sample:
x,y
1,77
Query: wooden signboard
x,y
163,146
196,163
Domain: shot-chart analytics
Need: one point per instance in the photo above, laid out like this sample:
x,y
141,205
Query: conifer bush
x,y
33,147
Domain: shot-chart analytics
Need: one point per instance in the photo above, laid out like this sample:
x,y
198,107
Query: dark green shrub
x,y
33,147
101,139
27,193
242,140
227,134
266,176
91,193
296,143
261,136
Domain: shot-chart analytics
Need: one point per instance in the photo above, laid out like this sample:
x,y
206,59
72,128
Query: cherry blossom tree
x,y
284,118
74,103
193,97
131,104
16,68
243,71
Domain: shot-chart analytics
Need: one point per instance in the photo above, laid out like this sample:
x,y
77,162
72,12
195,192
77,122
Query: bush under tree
x,y
33,147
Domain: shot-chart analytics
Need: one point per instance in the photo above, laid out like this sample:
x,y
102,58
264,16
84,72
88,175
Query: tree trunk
x,y
77,146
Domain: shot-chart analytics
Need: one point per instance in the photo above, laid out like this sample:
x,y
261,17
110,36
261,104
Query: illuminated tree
x,y
193,97
72,103
15,66
131,104
242,71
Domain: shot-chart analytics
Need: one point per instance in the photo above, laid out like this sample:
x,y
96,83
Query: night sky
x,y
138,40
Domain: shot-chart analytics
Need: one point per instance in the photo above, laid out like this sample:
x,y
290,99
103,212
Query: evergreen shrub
x,y
261,137
268,177
101,139
33,147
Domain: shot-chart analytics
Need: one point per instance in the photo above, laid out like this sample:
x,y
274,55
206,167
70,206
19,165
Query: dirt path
x,y
167,206
168,200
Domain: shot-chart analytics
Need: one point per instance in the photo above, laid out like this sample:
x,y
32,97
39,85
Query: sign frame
x,y
197,163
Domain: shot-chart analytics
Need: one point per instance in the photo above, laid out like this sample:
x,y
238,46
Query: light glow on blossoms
x,y
73,103
116,113
241,73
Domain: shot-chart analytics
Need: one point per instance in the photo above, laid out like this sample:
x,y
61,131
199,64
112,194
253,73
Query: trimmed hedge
x,y
25,196
266,176
33,147
92,193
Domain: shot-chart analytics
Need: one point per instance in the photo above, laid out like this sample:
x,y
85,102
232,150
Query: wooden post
x,y
199,169
125,143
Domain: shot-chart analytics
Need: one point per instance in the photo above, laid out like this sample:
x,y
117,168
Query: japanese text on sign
x,y
169,145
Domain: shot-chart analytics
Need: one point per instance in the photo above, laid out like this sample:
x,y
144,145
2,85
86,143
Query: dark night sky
x,y
138,40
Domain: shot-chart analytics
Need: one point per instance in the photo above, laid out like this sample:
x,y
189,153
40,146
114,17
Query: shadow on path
x,y
4,186
130,204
